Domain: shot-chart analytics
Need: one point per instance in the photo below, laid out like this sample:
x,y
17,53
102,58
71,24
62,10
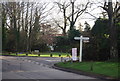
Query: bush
x,y
62,44
73,33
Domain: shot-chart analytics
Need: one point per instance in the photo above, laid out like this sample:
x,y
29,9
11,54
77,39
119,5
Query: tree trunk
x,y
30,30
72,22
65,22
113,39
3,28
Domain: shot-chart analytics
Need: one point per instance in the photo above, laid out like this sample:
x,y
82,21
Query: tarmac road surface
x,y
35,68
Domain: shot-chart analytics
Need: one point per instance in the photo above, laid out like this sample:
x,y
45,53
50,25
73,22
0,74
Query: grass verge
x,y
109,69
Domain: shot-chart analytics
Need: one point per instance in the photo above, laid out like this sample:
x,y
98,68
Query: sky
x,y
94,10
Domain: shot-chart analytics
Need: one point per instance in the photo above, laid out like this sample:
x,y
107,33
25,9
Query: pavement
x,y
37,69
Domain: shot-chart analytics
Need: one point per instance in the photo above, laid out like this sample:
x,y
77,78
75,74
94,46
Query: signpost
x,y
81,38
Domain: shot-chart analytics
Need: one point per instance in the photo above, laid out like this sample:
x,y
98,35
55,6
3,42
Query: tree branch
x,y
80,12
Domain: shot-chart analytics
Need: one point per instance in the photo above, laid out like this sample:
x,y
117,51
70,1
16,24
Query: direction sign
x,y
81,38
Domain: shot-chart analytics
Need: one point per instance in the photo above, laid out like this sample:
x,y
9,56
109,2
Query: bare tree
x,y
76,14
38,13
23,23
63,8
113,15
4,18
71,17
30,29
14,14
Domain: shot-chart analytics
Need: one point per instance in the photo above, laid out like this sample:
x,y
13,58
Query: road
x,y
35,68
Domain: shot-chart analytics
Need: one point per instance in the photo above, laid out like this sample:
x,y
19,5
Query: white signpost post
x,y
81,38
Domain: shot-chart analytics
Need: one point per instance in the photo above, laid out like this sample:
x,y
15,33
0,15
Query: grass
x,y
103,68
54,54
